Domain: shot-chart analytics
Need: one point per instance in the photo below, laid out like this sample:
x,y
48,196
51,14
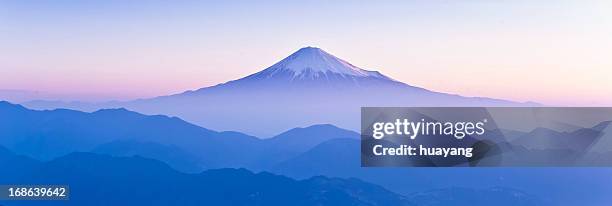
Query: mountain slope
x,y
169,154
302,139
308,87
312,64
13,166
336,158
318,62
603,144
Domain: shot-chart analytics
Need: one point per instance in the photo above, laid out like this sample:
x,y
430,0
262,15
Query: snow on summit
x,y
314,61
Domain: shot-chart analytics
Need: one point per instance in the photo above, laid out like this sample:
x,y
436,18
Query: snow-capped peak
x,y
314,61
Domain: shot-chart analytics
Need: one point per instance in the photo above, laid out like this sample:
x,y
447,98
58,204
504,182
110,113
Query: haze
x,y
552,52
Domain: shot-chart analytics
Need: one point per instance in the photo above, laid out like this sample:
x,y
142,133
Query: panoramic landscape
x,y
202,103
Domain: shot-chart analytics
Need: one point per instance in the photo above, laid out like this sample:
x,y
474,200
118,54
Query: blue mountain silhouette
x,y
105,180
338,157
172,155
52,133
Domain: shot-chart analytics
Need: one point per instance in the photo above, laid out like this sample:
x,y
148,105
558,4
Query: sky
x,y
551,52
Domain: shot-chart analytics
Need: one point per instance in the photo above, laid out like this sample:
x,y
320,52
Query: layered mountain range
x,y
299,153
105,180
293,108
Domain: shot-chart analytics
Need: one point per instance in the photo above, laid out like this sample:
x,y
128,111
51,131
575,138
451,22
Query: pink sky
x,y
552,53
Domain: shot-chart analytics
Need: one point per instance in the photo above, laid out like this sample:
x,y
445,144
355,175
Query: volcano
x,y
308,69
308,87
312,62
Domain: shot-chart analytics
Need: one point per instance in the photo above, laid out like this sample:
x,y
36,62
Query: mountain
x,y
336,158
333,158
600,152
49,134
301,138
169,154
313,67
308,87
603,144
104,180
14,165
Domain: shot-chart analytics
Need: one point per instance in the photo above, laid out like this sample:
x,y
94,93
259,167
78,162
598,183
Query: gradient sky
x,y
552,52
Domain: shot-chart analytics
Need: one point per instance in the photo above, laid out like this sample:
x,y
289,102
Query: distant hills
x,y
170,154
52,133
308,87
105,180
162,146
299,153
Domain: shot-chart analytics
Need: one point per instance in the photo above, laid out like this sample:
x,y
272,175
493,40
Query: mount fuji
x,y
308,87
308,69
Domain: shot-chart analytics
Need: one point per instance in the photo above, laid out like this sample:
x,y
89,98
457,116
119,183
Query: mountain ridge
x,y
48,134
